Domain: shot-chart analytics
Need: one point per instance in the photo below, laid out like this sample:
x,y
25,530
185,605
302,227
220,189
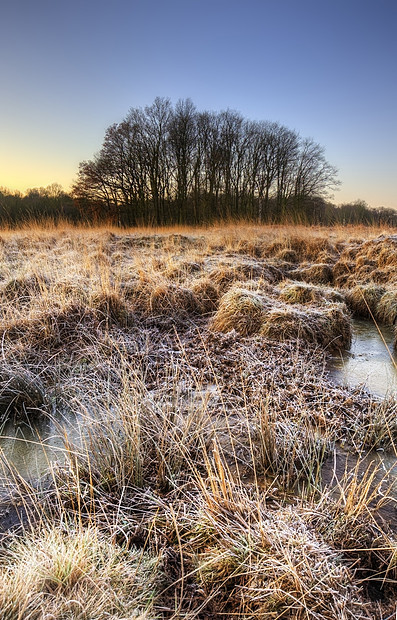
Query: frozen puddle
x,y
370,361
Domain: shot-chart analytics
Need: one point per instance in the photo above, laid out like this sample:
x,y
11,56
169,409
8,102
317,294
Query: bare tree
x,y
165,163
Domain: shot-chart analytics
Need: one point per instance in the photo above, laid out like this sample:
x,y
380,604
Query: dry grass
x,y
75,574
241,309
304,293
319,273
22,395
386,310
194,361
330,326
363,299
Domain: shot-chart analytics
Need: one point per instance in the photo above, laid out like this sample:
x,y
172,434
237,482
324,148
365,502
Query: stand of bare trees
x,y
172,164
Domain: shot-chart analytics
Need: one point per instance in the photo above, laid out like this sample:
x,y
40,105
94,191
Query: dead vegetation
x,y
195,364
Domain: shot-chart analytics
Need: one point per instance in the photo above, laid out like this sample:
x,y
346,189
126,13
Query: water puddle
x,y
370,361
343,467
30,448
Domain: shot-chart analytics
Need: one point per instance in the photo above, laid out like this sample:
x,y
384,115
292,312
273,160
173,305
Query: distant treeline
x,y
165,165
46,204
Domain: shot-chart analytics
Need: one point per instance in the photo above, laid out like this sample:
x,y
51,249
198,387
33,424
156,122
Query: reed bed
x,y
195,362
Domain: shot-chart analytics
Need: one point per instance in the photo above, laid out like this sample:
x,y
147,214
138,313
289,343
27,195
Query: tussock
x,y
181,269
241,309
169,299
54,328
207,294
305,248
303,293
373,260
111,307
386,310
287,255
320,273
346,518
342,271
363,299
76,574
288,451
148,297
223,277
268,563
329,327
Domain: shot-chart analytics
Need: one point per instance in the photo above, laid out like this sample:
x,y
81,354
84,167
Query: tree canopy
x,y
173,164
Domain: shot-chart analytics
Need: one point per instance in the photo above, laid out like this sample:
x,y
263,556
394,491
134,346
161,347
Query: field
x,y
195,361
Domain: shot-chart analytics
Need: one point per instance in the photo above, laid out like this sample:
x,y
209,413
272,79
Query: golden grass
x,y
76,574
241,309
194,360
329,326
363,299
305,293
386,310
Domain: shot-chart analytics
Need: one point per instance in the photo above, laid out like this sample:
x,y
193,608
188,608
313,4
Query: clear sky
x,y
326,68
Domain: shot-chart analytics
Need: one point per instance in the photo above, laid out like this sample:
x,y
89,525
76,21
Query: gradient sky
x,y
326,68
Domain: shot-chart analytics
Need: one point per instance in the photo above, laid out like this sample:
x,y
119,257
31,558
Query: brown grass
x,y
386,310
241,309
194,362
320,273
303,293
363,299
329,327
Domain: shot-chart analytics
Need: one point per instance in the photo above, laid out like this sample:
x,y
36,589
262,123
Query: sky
x,y
325,68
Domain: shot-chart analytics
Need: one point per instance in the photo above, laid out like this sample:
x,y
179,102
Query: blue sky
x,y
326,68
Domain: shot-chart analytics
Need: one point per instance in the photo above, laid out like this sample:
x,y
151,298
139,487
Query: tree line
x,y
38,203
52,203
174,164
166,164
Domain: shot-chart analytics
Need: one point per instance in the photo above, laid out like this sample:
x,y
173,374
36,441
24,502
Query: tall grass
x,y
195,487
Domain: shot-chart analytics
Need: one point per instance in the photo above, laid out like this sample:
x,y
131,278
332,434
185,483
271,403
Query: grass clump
x,y
304,293
320,273
136,438
288,451
346,516
111,306
53,327
170,300
363,299
386,310
266,563
241,309
329,327
75,574
207,294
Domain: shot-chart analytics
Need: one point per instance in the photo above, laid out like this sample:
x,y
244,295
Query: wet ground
x,y
370,362
29,448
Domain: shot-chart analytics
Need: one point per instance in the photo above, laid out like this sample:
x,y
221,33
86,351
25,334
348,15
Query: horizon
x,y
325,71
